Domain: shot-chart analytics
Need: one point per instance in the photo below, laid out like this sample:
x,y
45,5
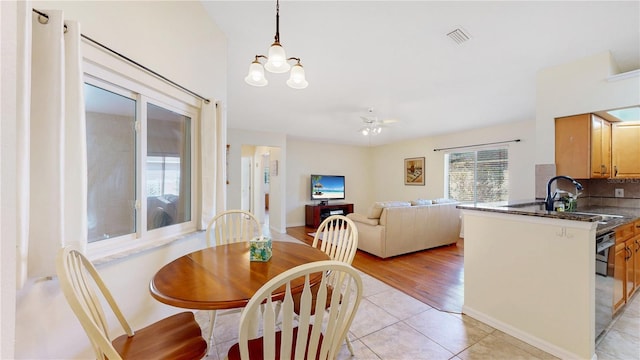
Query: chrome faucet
x,y
548,202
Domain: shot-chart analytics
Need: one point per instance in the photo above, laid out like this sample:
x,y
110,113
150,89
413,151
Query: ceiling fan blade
x,y
368,120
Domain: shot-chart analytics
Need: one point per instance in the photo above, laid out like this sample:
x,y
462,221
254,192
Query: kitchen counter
x,y
525,268
588,214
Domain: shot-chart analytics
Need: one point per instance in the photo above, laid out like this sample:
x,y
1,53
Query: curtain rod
x,y
470,146
131,61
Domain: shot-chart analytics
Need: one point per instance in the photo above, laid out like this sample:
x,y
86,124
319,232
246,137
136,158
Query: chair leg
x,y
346,340
212,322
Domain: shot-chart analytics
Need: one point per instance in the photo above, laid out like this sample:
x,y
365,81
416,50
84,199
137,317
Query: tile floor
x,y
392,325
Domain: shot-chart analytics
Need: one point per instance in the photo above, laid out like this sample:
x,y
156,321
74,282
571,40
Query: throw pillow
x,y
375,210
419,202
443,201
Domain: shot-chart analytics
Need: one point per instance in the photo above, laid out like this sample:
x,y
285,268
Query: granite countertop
x,y
536,208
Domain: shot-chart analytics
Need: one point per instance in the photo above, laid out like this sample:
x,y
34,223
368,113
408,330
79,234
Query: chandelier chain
x,y
277,37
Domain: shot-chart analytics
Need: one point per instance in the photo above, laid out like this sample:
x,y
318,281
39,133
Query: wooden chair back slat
x,y
232,226
320,328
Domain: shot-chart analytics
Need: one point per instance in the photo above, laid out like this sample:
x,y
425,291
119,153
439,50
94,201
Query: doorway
x,y
259,184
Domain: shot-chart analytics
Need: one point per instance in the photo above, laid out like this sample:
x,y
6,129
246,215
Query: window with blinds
x,y
478,176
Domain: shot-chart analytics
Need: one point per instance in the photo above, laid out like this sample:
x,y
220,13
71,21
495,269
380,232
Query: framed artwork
x,y
414,171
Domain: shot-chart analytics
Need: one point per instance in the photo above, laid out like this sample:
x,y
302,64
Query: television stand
x,y
315,214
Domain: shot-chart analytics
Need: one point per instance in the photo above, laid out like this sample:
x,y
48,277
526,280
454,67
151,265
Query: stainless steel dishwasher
x,y
604,282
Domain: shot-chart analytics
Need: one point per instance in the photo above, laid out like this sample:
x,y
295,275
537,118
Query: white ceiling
x,y
395,56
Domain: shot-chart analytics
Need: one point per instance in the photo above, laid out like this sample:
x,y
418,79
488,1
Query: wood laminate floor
x,y
434,276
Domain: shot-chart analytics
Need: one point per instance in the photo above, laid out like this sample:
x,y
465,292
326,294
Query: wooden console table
x,y
314,214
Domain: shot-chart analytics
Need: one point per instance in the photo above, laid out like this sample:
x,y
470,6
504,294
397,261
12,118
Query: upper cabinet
x,y
583,146
626,150
600,147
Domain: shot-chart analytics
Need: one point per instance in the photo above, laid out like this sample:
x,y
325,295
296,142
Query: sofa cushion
x,y
418,202
376,209
362,219
443,201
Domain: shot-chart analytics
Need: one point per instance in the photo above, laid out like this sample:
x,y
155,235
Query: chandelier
x,y
277,63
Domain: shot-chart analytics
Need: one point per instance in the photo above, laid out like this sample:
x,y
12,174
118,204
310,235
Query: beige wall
x,y
8,181
161,35
307,157
376,173
389,161
158,35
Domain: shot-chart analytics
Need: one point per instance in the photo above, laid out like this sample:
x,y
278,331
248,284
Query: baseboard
x,y
522,335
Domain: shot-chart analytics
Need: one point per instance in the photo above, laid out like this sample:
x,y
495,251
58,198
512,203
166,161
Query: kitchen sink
x,y
604,218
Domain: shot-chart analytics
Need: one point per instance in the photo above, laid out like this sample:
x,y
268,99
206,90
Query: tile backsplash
x,y
602,192
596,192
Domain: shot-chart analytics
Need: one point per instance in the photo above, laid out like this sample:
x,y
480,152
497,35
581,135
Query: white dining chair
x,y
229,227
232,226
317,330
175,337
337,236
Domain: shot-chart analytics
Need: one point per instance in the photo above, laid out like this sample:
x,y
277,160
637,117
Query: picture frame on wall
x,y
414,171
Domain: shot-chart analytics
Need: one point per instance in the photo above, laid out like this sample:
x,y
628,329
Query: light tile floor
x,y
392,325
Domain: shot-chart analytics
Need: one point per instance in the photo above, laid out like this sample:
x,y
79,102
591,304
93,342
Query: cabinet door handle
x,y
637,245
615,170
628,251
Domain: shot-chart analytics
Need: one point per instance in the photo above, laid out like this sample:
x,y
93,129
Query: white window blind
x,y
478,176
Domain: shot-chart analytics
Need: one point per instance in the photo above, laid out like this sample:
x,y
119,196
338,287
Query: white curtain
x,y
213,141
221,159
56,154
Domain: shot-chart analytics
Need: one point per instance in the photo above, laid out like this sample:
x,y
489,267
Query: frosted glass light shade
x,y
277,62
297,79
256,75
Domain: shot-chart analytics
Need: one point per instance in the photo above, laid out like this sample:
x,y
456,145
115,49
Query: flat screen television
x,y
327,187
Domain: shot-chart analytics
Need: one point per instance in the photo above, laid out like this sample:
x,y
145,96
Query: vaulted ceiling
x,y
396,57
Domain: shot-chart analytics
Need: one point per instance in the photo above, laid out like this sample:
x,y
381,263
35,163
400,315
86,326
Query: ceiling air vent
x,y
459,36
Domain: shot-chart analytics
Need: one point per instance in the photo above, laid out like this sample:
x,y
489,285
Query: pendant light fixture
x,y
277,63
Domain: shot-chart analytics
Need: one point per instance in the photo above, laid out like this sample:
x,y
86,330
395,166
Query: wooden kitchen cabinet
x,y
583,146
630,272
626,271
634,248
625,152
600,148
619,272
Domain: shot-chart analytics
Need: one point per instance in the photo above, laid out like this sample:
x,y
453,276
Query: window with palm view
x,y
478,176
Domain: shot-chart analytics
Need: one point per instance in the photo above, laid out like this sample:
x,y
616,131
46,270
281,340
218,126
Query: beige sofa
x,y
393,228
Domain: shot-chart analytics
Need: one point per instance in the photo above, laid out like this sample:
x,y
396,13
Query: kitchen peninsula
x,y
531,273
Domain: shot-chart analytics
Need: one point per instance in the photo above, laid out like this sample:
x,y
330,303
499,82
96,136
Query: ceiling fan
x,y
372,124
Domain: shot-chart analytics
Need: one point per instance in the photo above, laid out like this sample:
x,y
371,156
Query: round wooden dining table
x,y
223,277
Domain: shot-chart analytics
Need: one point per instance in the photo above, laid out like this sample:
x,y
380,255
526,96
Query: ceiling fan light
x,y
277,62
364,131
377,130
297,78
255,77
